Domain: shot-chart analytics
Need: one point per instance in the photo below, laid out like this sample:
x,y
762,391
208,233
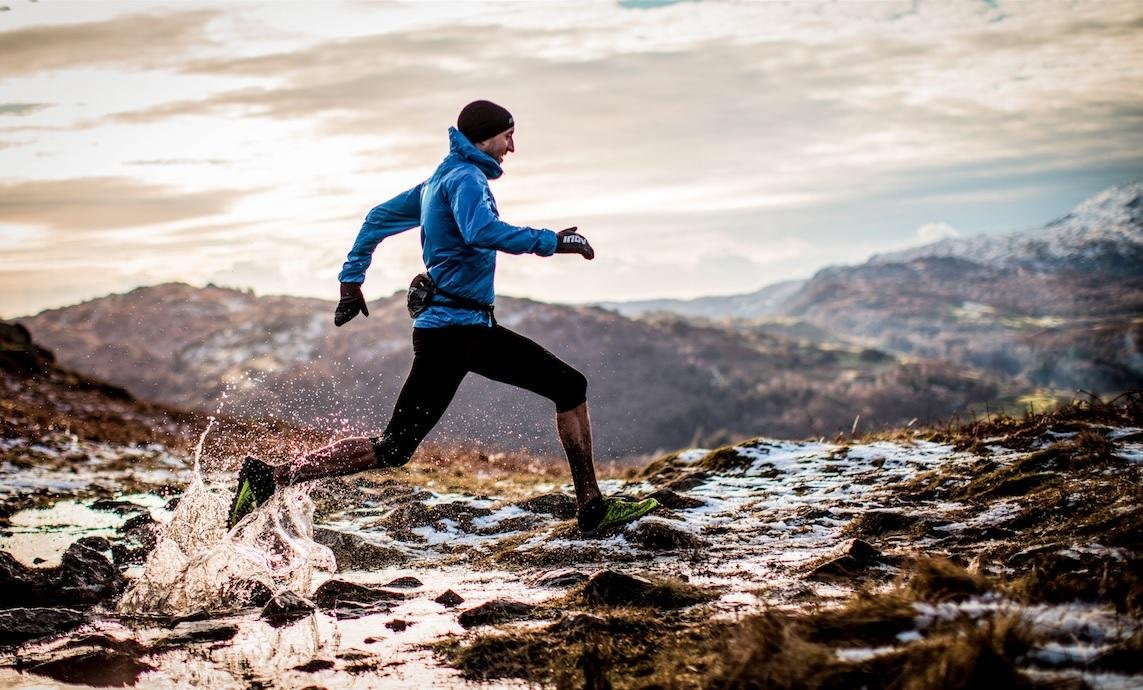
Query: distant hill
x,y
768,301
657,383
1057,306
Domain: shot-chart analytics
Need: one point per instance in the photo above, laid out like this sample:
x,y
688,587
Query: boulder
x,y
674,500
397,625
558,505
83,578
334,593
21,625
406,582
564,577
655,534
354,553
286,608
613,588
495,611
450,599
855,556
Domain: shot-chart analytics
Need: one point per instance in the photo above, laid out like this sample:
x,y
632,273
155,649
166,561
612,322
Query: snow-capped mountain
x,y
1104,234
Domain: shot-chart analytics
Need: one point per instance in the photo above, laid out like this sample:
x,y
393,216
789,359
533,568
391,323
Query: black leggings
x,y
441,359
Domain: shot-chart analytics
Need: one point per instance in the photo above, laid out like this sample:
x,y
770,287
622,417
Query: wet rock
x,y
875,523
208,631
406,582
450,599
856,556
173,503
140,520
354,553
315,665
495,611
659,535
564,577
286,608
613,588
83,578
121,554
20,625
558,505
335,593
98,543
397,625
120,507
674,500
95,660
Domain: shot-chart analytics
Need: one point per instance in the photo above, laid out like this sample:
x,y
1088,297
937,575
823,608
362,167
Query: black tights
x,y
441,359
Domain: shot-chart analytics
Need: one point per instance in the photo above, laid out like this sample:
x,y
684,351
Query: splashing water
x,y
197,565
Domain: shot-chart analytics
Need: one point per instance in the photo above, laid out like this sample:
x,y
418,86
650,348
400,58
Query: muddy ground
x,y
1004,553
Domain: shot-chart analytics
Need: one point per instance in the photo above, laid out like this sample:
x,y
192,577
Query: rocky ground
x,y
1007,549
1003,553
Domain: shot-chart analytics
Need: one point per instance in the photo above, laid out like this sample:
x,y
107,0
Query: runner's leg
x,y
432,382
509,357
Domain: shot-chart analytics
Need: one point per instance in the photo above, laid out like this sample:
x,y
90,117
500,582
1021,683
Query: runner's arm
x,y
481,227
401,213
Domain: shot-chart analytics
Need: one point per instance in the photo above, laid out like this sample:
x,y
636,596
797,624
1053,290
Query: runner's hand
x,y
569,241
352,302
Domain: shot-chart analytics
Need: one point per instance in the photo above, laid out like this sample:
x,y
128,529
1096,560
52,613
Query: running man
x,y
455,331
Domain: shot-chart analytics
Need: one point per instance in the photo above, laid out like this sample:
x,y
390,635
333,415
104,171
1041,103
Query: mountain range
x,y
1058,306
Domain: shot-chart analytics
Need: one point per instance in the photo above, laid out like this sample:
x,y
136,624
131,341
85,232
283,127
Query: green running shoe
x,y
255,487
612,511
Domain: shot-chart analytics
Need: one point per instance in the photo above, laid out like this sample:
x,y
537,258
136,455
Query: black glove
x,y
569,241
352,301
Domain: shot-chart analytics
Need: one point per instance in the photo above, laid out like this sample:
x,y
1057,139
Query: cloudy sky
x,y
703,147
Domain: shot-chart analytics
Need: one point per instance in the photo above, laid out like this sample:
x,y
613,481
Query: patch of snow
x,y
691,456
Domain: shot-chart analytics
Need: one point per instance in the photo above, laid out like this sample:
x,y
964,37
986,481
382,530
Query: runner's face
x,y
499,145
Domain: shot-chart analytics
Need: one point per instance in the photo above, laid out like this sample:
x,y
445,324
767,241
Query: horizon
x,y
241,145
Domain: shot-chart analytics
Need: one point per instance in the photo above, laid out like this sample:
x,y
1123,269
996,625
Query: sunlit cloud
x,y
776,137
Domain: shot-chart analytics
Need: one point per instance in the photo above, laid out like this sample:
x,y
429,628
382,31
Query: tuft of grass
x,y
937,580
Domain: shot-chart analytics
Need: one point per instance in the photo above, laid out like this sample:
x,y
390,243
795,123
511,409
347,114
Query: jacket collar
x,y
460,146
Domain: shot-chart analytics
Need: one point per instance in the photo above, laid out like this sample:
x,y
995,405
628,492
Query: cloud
x,y
141,40
96,203
931,232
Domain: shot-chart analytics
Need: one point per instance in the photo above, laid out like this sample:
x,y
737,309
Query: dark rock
x,y
21,625
285,608
315,665
210,632
98,543
406,582
659,535
495,611
687,481
613,588
173,503
84,577
335,593
397,625
558,505
374,640
121,554
37,560
120,507
100,667
875,523
449,598
564,577
856,556
140,520
674,500
354,553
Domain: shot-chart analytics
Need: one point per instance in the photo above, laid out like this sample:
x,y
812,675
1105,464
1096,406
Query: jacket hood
x,y
459,145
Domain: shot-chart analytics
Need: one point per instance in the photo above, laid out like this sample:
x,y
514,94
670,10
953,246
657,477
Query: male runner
x,y
461,232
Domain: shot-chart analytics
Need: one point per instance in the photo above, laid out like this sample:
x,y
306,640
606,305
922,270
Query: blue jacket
x,y
461,232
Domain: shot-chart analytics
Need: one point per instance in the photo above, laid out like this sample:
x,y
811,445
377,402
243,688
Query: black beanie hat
x,y
482,120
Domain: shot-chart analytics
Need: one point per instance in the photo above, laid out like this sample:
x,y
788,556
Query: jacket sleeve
x,y
480,225
395,216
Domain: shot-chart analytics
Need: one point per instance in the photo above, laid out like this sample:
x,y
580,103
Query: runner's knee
x,y
389,454
573,391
